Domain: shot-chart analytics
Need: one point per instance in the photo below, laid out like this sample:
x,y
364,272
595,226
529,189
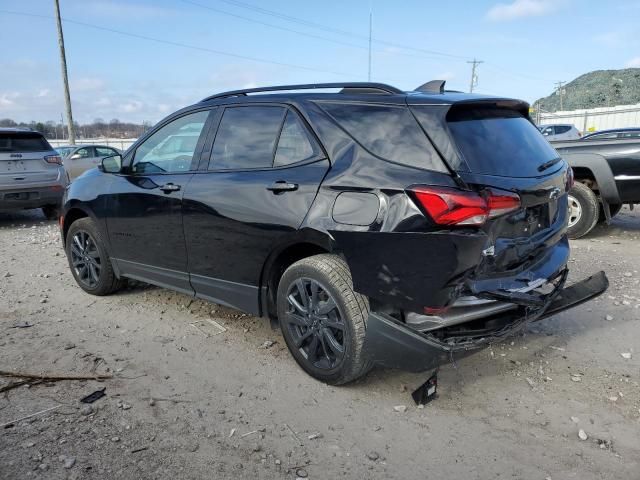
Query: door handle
x,y
170,187
282,186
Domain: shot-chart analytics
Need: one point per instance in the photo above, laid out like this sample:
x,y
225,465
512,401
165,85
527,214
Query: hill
x,y
600,88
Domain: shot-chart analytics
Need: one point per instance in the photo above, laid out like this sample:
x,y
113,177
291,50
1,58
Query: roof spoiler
x,y
434,86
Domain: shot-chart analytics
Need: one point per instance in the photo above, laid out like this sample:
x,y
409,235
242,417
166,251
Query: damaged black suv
x,y
376,226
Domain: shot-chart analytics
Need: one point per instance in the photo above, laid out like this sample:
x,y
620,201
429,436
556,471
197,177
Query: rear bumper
x,y
31,197
395,345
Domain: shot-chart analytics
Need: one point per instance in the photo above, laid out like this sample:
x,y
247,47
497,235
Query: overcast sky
x,y
138,60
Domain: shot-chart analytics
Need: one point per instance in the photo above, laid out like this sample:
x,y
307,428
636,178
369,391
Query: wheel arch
x,y
306,243
595,166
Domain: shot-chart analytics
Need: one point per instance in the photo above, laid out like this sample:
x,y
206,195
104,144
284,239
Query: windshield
x,y
499,142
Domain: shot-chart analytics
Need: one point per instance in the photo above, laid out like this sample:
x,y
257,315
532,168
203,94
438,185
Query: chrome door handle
x,y
282,186
170,187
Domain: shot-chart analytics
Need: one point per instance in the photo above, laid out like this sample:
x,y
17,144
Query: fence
x,y
594,119
119,143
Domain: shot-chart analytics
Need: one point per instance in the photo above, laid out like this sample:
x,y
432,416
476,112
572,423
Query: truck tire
x,y
323,320
583,211
614,209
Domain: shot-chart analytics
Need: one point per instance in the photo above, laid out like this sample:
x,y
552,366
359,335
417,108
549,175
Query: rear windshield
x,y
501,142
389,132
23,142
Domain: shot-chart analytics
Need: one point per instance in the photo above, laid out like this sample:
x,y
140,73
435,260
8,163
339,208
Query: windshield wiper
x,y
548,164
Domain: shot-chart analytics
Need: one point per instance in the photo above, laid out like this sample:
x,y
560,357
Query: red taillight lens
x,y
57,159
501,202
570,179
450,206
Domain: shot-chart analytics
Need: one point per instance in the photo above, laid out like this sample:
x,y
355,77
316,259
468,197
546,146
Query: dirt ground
x,y
188,402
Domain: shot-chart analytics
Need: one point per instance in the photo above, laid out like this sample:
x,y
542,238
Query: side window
x,y
84,152
562,129
170,149
294,144
104,152
547,131
390,132
246,137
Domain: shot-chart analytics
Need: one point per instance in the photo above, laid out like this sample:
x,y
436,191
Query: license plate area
x,y
21,196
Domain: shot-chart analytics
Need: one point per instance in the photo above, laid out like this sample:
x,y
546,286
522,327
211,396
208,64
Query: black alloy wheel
x,y
315,324
85,259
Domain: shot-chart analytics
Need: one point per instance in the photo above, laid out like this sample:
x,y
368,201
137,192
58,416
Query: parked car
x,y
607,174
77,159
614,133
559,132
375,226
31,172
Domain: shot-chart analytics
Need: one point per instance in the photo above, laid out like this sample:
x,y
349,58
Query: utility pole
x,y
474,75
560,91
370,33
65,79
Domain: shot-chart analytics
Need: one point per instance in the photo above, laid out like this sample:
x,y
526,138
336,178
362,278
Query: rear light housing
x,y
455,207
57,159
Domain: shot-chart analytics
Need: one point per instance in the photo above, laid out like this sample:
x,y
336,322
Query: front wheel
x,y
323,320
583,211
88,259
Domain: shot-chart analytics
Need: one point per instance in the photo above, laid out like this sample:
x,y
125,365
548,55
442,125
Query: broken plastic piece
x,y
97,395
427,391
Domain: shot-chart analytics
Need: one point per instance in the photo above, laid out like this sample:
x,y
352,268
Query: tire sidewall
x,y
589,215
86,225
307,271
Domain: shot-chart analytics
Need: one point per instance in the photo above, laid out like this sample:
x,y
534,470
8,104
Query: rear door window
x,y
501,142
105,152
562,129
11,142
247,137
387,131
294,144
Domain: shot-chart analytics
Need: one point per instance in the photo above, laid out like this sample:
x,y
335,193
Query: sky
x,y
139,60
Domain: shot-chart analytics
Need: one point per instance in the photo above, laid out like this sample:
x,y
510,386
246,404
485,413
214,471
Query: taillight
x,y
450,206
570,179
57,159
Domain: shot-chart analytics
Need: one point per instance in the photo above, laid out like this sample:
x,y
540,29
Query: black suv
x,y
375,225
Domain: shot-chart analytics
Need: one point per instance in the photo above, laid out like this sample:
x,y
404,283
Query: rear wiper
x,y
548,164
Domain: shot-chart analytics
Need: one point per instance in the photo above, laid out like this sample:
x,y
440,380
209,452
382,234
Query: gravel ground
x,y
185,401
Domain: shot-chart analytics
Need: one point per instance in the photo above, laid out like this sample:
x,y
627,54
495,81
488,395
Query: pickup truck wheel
x,y
583,211
614,209
323,320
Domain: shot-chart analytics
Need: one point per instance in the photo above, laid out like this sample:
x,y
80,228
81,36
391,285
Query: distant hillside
x,y
601,88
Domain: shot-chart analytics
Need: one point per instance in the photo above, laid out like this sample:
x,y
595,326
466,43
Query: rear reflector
x,y
450,206
57,159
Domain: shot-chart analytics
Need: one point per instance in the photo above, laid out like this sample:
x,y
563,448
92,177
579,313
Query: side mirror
x,y
112,164
75,156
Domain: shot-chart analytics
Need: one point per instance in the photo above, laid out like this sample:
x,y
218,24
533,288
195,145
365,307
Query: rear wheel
x,y
323,320
583,211
88,259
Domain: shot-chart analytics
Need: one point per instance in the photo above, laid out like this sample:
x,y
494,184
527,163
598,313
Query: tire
x,y
614,209
84,246
583,211
51,212
339,319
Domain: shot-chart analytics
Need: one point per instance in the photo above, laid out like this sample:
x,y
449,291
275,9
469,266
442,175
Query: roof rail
x,y
348,87
434,86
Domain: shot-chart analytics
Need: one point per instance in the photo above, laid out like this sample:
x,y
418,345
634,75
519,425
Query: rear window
x,y
23,142
500,142
389,132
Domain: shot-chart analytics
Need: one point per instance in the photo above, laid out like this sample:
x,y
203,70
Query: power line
x,y
302,21
181,45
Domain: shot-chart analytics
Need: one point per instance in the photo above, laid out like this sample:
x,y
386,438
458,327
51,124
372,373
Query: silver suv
x,y
31,172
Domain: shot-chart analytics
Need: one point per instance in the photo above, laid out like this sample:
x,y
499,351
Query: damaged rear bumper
x,y
393,344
